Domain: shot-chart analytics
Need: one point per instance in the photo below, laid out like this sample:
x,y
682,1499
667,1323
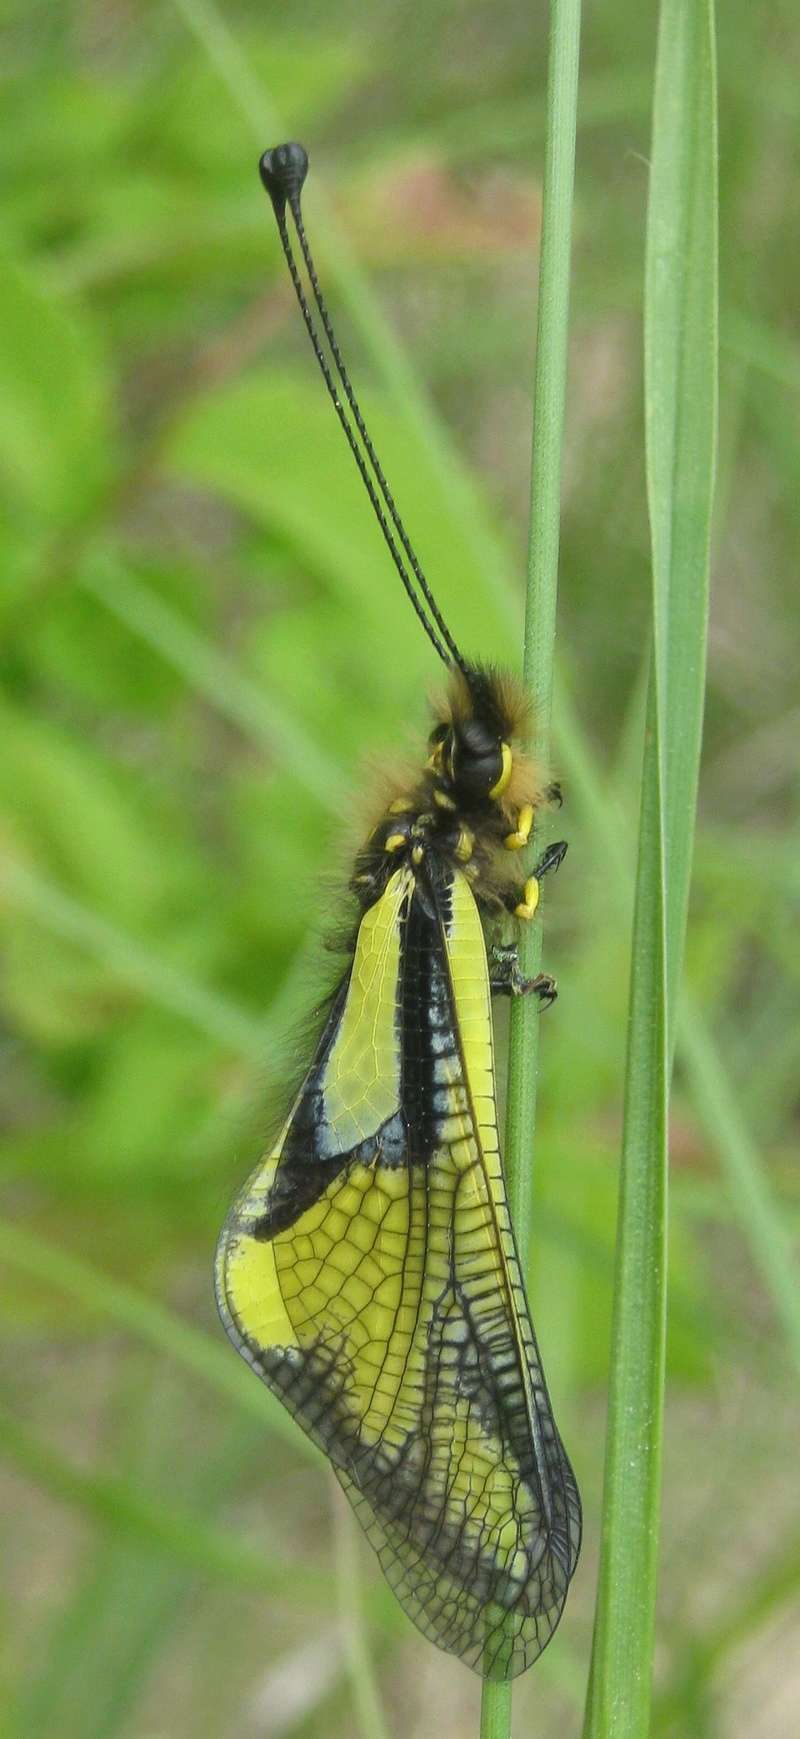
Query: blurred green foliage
x,y
200,641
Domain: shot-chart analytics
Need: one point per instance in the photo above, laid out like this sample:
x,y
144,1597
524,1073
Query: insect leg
x,y
522,832
506,979
550,859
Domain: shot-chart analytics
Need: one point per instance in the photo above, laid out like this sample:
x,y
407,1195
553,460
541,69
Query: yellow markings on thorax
x,y
506,769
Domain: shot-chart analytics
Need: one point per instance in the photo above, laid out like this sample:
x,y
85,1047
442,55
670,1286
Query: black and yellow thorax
x,y
472,807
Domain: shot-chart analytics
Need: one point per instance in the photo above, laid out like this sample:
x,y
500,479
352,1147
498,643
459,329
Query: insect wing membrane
x,y
369,1274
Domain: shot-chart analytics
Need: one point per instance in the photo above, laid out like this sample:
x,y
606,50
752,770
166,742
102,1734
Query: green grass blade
x,y
681,342
540,613
712,1089
540,617
680,421
619,1691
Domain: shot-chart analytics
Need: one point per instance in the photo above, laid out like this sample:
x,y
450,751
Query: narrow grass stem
x,y
540,611
540,605
711,1085
680,426
619,1689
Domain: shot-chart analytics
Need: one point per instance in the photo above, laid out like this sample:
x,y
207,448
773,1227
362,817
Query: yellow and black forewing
x,y
369,1273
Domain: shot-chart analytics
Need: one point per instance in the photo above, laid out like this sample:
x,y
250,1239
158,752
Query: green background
x,y
202,644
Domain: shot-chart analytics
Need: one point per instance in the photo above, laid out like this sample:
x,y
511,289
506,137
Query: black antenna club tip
x,y
283,171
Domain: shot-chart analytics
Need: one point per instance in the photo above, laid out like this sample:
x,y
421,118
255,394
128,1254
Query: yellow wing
x,y
369,1273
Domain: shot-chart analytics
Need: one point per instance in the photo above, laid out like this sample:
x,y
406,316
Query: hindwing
x,y
369,1273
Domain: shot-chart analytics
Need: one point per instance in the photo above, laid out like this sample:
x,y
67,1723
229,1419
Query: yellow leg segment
x,y
530,899
515,841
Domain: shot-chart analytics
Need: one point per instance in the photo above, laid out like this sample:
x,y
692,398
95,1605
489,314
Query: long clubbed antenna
x,y
283,171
